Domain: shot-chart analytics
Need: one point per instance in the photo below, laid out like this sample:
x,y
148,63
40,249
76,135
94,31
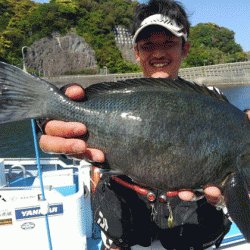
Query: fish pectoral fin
x,y
238,203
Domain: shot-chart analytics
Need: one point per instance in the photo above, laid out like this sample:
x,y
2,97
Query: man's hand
x,y
61,137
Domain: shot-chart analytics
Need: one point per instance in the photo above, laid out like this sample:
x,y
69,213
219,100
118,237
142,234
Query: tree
x,y
49,18
15,29
212,44
96,27
6,14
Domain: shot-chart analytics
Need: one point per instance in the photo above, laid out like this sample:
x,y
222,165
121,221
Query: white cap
x,y
164,21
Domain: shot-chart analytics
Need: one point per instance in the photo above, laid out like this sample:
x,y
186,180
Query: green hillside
x,y
22,22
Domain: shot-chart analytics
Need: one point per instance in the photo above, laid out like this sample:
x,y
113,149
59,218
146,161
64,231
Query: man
x,y
160,30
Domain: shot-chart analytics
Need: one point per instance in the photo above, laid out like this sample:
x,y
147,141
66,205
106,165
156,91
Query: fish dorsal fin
x,y
141,84
204,90
120,86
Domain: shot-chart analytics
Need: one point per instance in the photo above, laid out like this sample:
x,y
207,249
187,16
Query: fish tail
x,y
22,96
236,193
238,203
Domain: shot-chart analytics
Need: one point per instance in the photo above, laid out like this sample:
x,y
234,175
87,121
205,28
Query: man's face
x,y
161,54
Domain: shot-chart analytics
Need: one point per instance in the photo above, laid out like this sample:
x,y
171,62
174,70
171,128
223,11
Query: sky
x,y
234,15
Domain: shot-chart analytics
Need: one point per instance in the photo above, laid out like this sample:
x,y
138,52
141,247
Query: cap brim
x,y
162,25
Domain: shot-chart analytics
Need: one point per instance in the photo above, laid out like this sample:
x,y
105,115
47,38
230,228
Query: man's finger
x,y
75,92
94,155
248,114
91,154
65,129
213,194
58,145
186,195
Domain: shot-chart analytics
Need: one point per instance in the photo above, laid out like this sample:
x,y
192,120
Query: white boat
x,y
67,193
67,205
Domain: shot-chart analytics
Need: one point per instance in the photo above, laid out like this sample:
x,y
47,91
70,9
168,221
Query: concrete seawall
x,y
86,81
221,74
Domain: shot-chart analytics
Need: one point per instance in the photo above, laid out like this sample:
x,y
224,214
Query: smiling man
x,y
128,217
160,47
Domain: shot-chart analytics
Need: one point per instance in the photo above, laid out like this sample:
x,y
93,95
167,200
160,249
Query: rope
x,y
41,180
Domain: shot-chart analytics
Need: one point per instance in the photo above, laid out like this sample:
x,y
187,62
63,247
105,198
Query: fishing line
x,y
41,180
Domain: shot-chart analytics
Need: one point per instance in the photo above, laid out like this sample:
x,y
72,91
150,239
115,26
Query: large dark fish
x,y
167,134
